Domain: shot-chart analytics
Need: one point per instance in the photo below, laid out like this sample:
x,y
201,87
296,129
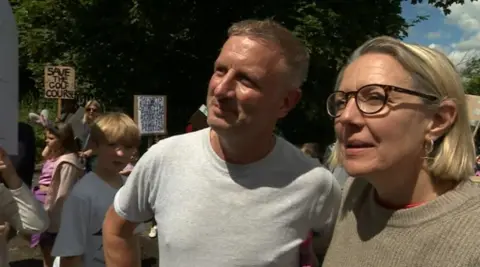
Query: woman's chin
x,y
358,169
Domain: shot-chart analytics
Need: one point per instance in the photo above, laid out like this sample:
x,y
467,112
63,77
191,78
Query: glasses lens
x,y
371,99
336,103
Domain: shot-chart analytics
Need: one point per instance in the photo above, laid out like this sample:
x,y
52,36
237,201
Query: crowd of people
x,y
397,188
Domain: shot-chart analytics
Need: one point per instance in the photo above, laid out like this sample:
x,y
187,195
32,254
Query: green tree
x,y
120,48
471,76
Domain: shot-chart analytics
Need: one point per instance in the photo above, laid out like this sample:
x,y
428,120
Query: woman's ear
x,y
442,120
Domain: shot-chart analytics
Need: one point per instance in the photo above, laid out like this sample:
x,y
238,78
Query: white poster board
x,y
150,114
8,79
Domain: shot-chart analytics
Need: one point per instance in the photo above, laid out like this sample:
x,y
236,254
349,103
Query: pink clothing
x,y
47,172
68,170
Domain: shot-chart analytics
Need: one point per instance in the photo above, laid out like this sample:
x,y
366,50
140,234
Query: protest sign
x,y
59,82
473,105
8,79
150,114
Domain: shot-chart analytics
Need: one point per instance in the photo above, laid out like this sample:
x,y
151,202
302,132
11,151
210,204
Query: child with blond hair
x,y
115,138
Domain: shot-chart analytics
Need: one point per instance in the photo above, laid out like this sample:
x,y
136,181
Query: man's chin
x,y
219,124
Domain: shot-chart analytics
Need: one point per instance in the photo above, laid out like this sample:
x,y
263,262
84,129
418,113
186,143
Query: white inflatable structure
x,y
8,79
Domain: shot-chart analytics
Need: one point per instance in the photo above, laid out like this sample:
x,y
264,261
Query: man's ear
x,y
290,100
442,120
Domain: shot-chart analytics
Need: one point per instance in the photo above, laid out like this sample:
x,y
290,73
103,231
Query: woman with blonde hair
x,y
93,109
403,136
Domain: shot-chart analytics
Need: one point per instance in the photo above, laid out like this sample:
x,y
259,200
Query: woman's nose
x,y
350,114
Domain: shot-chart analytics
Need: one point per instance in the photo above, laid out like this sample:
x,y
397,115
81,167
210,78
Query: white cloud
x,y
467,18
458,57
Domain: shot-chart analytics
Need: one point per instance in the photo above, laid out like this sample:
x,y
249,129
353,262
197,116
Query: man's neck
x,y
242,150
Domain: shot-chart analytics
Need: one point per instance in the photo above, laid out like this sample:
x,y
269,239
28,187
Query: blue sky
x,y
457,35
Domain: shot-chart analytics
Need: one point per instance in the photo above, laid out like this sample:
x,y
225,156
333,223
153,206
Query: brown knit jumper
x,y
444,232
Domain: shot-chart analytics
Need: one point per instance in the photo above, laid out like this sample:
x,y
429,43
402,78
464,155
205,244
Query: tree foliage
x,y
124,47
471,76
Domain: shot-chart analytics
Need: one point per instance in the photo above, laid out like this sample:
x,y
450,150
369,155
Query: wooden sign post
x,y
59,84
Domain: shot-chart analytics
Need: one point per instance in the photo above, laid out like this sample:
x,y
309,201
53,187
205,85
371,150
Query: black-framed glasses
x,y
370,99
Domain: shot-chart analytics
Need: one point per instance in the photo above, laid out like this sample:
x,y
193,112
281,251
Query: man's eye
x,y
220,70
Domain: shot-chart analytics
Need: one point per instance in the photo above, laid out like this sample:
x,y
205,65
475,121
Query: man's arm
x,y
133,204
119,242
325,216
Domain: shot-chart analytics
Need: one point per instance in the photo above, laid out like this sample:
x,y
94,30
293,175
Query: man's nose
x,y
226,86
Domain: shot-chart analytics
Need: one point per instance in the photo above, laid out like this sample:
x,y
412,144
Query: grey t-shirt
x,y
80,231
211,213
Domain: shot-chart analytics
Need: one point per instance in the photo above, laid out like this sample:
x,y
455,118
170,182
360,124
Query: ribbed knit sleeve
x,y
22,210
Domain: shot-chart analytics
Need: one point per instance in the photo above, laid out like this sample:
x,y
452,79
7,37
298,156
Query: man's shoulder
x,y
294,157
309,169
178,143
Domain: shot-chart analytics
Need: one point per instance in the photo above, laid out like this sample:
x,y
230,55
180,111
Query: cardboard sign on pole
x,y
150,114
59,82
473,105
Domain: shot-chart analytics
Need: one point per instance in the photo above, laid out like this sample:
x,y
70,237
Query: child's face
x,y
114,157
52,141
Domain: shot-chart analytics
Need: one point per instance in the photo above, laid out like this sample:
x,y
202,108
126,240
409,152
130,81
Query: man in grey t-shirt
x,y
233,194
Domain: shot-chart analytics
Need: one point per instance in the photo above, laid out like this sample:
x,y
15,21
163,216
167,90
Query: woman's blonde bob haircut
x,y
90,103
433,73
115,128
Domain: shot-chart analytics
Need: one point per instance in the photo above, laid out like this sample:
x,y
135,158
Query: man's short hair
x,y
295,53
115,128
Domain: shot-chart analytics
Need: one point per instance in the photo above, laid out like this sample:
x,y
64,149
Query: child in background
x,y
61,170
115,138
18,207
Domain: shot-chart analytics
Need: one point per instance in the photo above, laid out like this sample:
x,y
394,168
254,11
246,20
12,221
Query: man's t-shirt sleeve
x,y
72,236
132,202
325,213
